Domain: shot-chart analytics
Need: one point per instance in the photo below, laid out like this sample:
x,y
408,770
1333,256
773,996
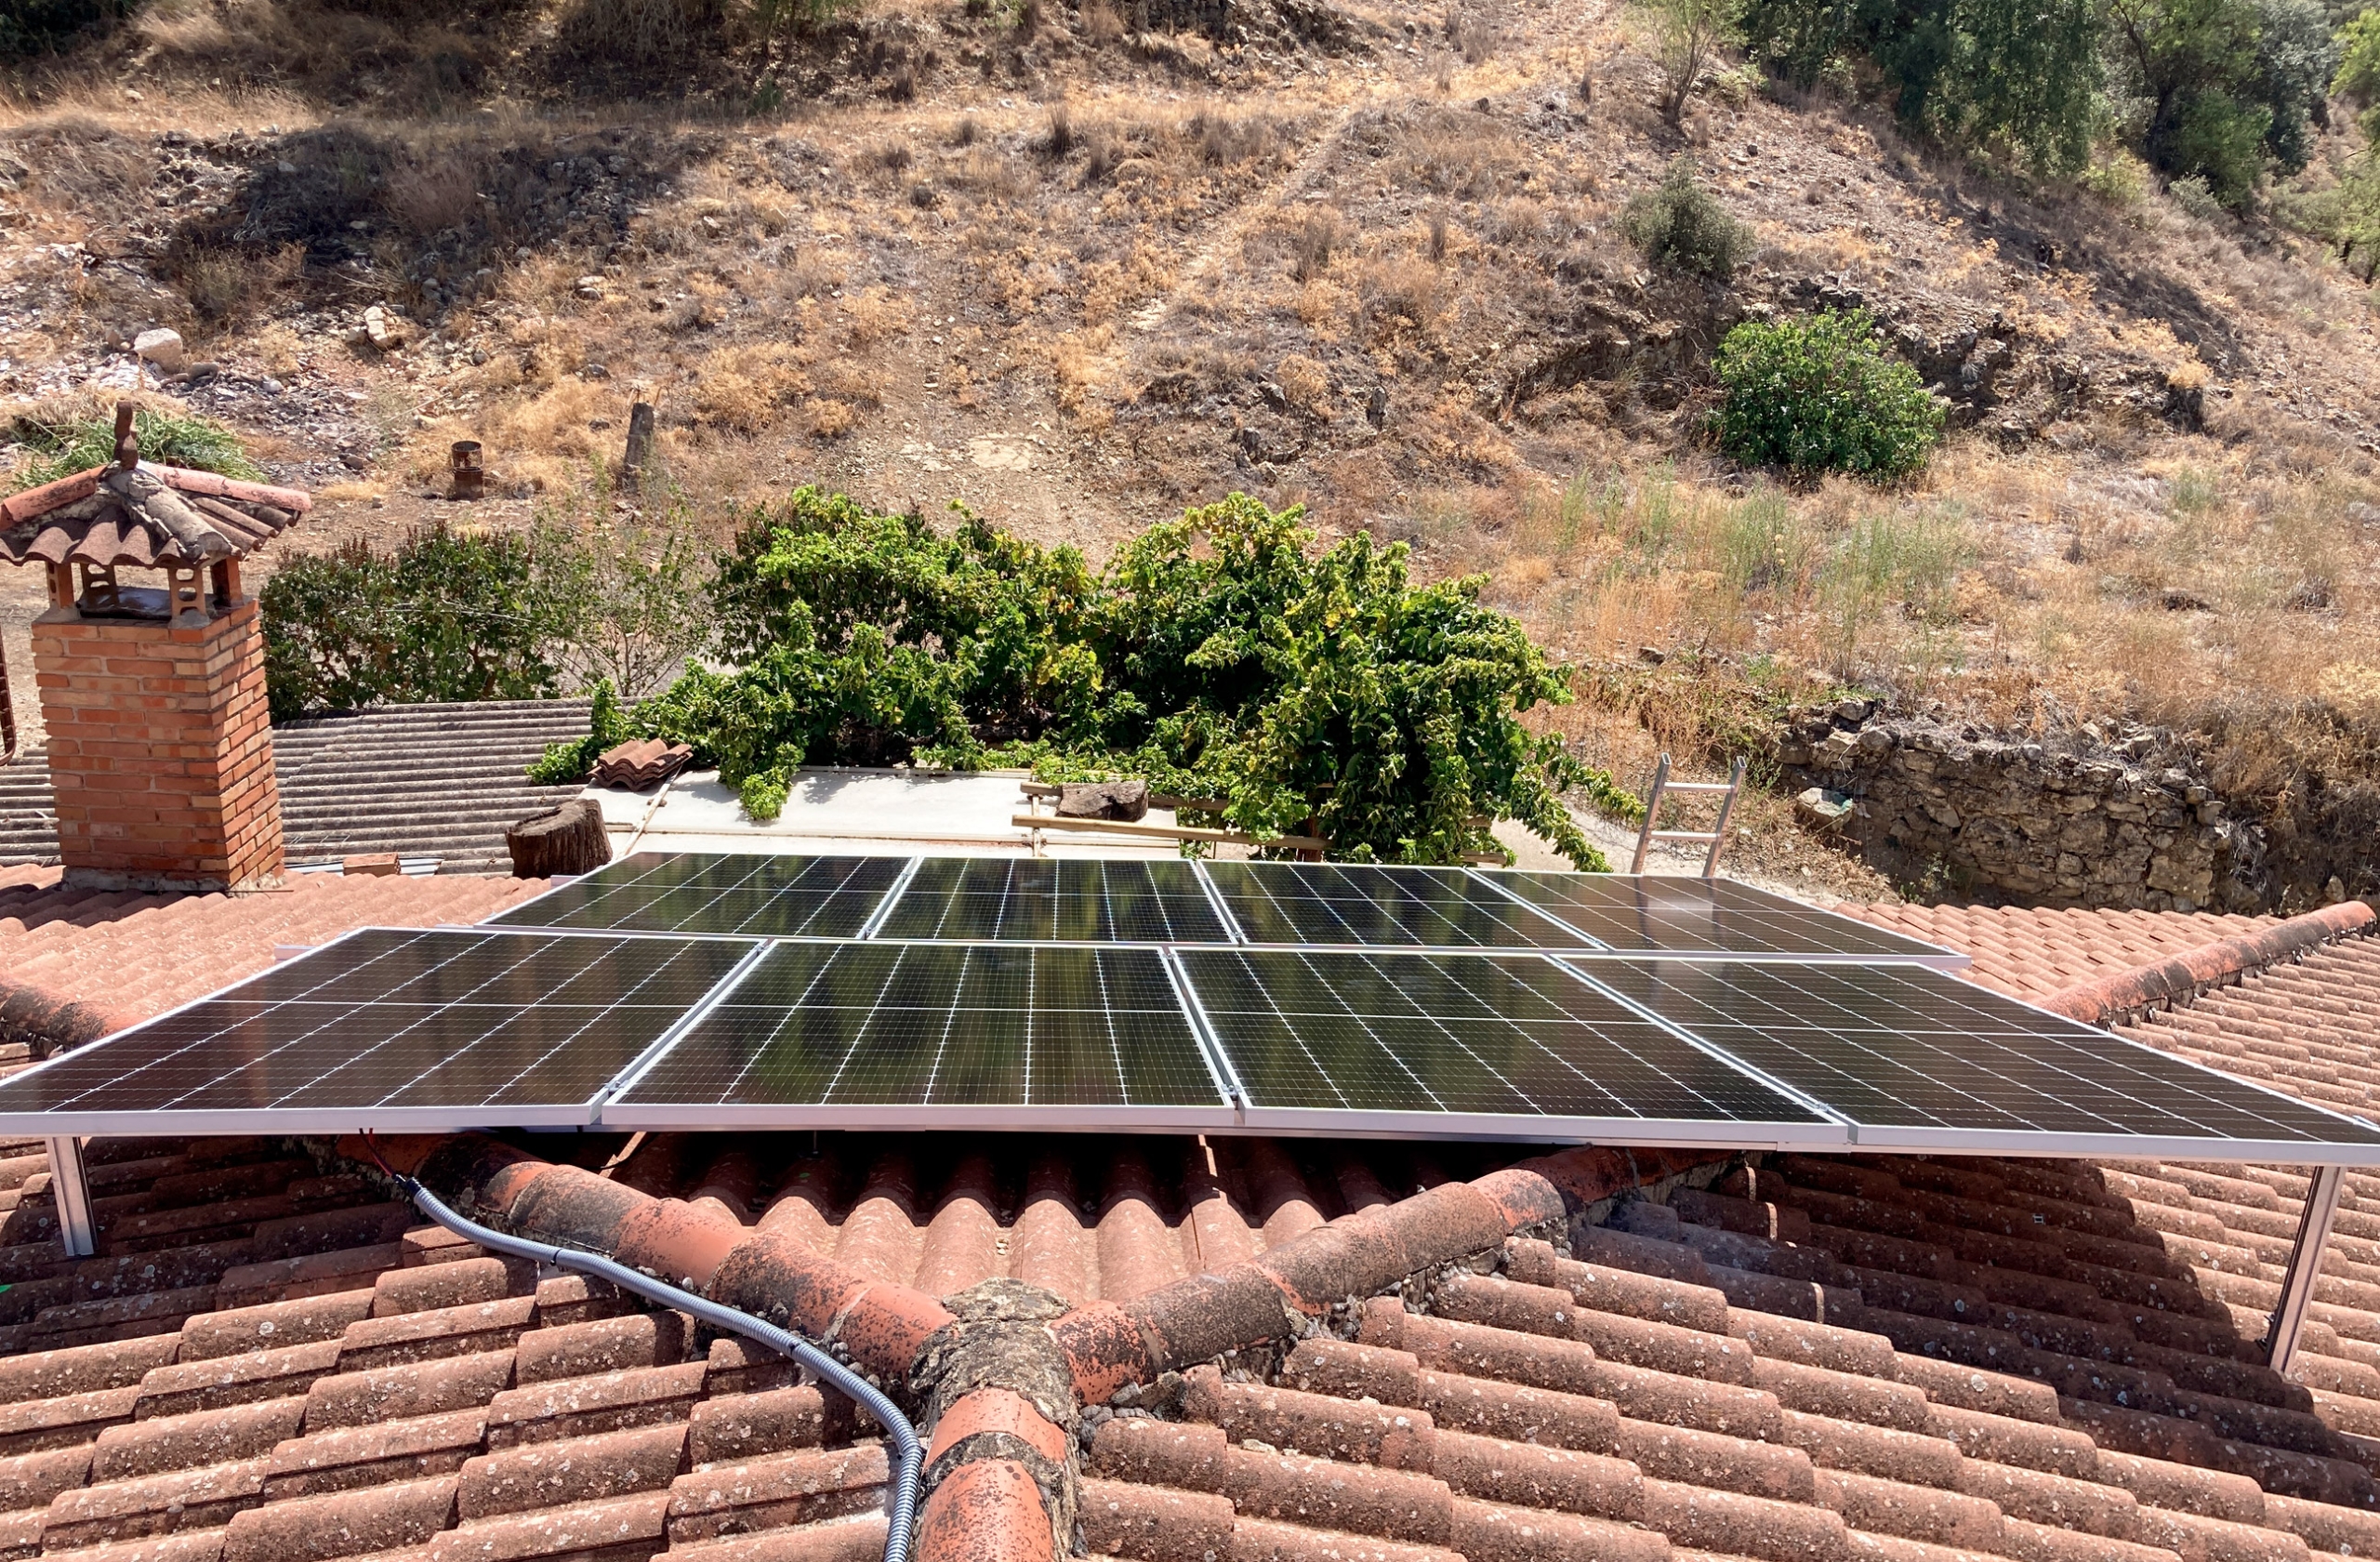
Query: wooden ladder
x,y
1715,837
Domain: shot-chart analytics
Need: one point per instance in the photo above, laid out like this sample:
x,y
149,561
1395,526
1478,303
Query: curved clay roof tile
x,y
148,516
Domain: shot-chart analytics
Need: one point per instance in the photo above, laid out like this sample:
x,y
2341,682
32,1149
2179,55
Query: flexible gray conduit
x,y
900,1496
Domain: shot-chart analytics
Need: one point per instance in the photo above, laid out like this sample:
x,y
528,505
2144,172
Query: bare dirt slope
x,y
1078,268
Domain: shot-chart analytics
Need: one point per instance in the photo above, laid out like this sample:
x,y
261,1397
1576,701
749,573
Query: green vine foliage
x,y
1219,656
607,726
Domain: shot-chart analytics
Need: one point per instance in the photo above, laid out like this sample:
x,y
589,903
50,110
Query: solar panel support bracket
x,y
72,1188
626,1078
877,919
2305,1266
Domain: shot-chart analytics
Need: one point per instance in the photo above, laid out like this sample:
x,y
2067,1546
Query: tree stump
x,y
640,446
1104,800
565,840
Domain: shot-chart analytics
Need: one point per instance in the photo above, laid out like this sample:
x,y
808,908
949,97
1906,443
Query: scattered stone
x,y
1820,807
590,288
162,347
1651,655
383,329
2179,599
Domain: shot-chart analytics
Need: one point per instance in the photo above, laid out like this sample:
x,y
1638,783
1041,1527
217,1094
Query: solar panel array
x,y
446,1030
887,992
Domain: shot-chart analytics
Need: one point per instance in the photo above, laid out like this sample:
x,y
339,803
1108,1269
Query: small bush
x,y
1680,223
2194,195
1819,395
64,446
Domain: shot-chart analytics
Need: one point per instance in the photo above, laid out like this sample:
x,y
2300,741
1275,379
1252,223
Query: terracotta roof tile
x,y
1809,1358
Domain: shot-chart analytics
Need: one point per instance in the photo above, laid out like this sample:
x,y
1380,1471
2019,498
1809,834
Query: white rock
x,y
383,329
162,347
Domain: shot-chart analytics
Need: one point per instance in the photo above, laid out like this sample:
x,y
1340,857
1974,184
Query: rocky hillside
x,y
1079,266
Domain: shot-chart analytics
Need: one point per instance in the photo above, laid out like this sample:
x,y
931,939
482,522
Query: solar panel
x,y
1361,905
386,1029
1086,900
1650,913
1343,1041
885,1035
765,896
1916,1059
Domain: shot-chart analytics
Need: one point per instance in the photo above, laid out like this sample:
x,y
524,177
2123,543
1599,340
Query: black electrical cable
x,y
900,1496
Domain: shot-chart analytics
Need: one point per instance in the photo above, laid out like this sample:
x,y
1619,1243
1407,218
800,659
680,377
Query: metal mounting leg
x,y
72,1191
2304,1263
1652,815
1727,812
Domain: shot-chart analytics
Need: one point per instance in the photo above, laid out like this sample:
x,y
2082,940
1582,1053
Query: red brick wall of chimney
x,y
161,751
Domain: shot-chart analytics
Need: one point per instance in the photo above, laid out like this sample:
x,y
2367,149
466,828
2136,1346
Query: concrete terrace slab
x,y
837,810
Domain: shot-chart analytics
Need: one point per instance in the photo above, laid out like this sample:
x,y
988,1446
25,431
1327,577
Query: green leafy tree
x,y
2297,54
1821,395
636,586
446,617
2016,78
2223,88
1218,655
1680,223
2359,73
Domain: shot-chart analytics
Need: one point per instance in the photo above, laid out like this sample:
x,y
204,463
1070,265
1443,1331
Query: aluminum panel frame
x,y
648,1116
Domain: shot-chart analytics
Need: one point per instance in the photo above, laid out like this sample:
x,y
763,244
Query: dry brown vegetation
x,y
1078,275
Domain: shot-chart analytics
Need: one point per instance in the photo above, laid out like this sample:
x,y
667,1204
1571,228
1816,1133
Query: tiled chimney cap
x,y
150,516
136,512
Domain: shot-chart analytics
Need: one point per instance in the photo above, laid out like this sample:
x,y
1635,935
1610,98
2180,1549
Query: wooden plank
x,y
1171,832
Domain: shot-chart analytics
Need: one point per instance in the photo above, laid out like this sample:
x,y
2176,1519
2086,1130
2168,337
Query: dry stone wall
x,y
1991,816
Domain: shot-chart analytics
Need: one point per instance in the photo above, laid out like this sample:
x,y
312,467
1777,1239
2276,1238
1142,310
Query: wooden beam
x,y
1171,832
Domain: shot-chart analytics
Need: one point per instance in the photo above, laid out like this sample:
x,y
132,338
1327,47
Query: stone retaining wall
x,y
1994,817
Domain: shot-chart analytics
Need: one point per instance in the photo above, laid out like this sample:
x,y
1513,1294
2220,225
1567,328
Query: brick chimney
x,y
160,744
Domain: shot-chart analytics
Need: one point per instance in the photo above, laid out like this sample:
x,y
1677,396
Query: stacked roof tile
x,y
146,515
643,762
1168,1349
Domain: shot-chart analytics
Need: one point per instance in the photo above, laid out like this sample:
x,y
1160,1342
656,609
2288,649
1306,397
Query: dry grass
x,y
744,390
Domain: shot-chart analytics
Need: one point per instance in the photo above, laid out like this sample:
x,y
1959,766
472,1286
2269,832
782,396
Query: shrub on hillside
x,y
1680,223
1820,394
1218,655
